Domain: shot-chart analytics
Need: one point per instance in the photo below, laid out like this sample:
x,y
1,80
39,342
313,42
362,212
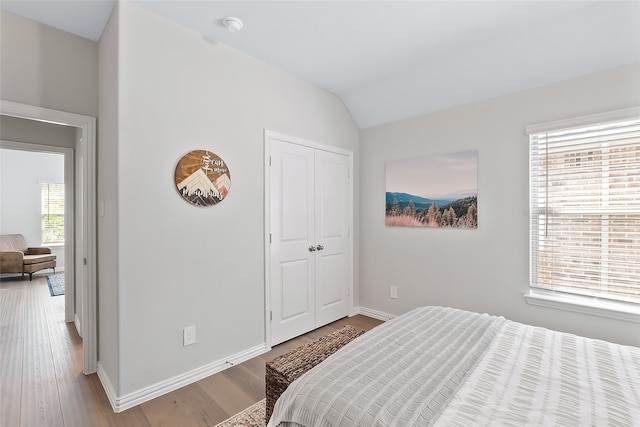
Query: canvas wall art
x,y
433,191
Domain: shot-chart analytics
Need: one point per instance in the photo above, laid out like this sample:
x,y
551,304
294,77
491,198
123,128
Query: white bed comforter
x,y
442,366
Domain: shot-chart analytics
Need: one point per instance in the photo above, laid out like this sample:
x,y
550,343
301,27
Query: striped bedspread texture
x,y
448,367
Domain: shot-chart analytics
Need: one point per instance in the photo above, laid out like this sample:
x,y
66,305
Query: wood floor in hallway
x,y
42,384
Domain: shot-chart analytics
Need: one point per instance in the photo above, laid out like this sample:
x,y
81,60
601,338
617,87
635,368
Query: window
x,y
584,193
52,213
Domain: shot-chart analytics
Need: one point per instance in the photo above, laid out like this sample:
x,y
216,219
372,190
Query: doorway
x,y
84,256
28,171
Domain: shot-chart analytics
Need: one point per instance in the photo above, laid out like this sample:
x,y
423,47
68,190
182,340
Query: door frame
x,y
86,126
268,137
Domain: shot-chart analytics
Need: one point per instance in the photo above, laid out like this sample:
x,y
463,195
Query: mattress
x,y
443,366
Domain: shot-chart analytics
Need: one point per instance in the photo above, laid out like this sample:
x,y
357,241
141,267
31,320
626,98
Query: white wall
x,y
177,264
21,176
487,269
107,224
44,66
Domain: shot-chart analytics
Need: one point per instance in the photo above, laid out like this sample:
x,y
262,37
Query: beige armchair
x,y
17,257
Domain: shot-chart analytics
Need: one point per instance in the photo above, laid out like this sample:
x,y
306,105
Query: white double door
x,y
310,250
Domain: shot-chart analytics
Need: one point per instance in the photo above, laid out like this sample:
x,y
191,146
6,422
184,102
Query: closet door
x,y
292,235
310,250
333,260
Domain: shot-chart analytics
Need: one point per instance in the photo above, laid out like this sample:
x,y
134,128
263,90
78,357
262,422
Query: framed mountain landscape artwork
x,y
202,178
433,191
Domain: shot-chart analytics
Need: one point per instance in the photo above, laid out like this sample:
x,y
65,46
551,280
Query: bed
x,y
449,367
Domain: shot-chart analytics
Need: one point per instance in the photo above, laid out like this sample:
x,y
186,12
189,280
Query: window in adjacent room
x,y
52,213
584,178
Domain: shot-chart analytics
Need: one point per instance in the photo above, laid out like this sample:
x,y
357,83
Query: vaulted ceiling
x,y
390,60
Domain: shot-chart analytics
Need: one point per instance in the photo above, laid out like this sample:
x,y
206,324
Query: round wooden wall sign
x,y
202,178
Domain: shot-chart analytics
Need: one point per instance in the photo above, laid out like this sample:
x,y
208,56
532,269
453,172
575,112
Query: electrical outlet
x,y
393,292
189,335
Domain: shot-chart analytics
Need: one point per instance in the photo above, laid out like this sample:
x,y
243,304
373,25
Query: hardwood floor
x,y
41,380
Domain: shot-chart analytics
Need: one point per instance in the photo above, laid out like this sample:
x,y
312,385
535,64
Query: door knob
x,y
320,247
312,249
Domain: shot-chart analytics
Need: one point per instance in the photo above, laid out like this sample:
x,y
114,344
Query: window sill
x,y
629,312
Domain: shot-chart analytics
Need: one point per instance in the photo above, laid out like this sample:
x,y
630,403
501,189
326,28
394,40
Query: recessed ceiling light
x,y
232,24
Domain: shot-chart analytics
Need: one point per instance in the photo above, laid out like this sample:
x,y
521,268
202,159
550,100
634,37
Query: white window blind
x,y
585,206
52,213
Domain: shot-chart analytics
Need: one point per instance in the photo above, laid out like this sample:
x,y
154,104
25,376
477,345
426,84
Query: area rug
x,y
253,416
56,284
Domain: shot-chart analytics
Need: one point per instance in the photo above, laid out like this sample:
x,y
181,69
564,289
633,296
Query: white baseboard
x,y
108,387
371,313
121,403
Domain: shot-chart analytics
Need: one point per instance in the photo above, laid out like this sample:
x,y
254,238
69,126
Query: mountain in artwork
x,y
198,183
223,183
420,202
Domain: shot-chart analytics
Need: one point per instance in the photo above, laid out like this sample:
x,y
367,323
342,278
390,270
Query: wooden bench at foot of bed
x,y
283,370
